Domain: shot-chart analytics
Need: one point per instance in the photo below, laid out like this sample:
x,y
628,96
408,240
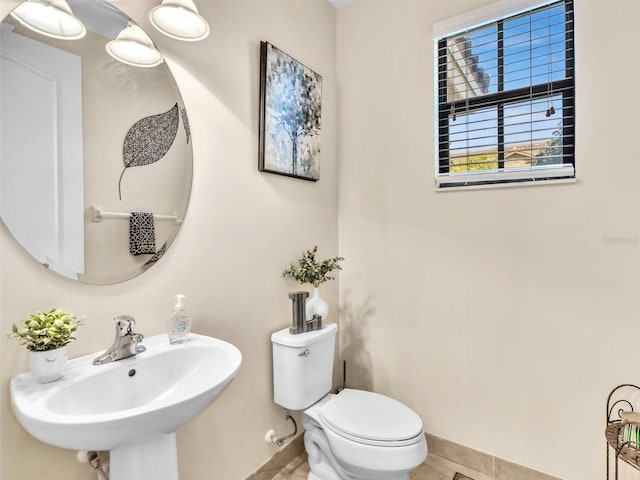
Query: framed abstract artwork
x,y
290,120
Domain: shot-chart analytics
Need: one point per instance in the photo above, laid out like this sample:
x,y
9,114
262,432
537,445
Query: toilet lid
x,y
367,416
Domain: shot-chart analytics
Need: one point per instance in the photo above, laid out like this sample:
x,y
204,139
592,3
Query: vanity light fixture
x,y
52,18
134,47
179,19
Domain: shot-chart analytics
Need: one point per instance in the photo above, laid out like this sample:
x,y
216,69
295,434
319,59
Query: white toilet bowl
x,y
358,435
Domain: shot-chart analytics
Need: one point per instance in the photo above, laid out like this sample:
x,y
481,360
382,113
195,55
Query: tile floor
x,y
434,468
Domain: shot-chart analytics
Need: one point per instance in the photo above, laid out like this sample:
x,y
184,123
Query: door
x,y
41,162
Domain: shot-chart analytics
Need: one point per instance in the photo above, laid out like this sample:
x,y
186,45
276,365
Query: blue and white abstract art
x,y
290,105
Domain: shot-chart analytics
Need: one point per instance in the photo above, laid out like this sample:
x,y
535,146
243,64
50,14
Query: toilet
x,y
352,435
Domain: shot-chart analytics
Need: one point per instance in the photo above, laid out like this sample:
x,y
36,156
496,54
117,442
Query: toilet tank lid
x,y
283,337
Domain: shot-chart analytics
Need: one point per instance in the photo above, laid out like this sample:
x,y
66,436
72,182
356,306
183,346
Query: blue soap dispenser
x,y
179,324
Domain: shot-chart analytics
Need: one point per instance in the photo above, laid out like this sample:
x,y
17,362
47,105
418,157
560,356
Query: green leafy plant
x,y
310,270
43,331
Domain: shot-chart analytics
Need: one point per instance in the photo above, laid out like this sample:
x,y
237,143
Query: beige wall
x,y
504,316
241,230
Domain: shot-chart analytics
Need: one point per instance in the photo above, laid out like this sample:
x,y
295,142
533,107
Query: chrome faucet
x,y
300,322
125,343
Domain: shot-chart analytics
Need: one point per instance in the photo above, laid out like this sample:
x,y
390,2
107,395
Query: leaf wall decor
x,y
148,140
185,123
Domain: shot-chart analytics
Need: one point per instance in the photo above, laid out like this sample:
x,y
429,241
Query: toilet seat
x,y
371,419
364,436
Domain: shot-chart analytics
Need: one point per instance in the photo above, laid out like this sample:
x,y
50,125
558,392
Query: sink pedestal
x,y
157,459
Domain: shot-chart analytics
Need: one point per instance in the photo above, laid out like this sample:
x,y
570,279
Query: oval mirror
x,y
95,153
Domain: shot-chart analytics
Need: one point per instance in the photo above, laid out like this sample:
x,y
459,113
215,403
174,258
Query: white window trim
x,y
538,183
561,173
483,15
542,172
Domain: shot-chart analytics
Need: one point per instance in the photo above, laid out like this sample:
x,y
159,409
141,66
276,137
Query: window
x,y
505,100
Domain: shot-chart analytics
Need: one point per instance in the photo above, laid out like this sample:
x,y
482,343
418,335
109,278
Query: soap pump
x,y
179,324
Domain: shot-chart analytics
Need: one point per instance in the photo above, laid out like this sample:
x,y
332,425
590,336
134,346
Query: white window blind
x,y
505,100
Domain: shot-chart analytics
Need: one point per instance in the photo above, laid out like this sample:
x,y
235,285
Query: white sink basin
x,y
131,407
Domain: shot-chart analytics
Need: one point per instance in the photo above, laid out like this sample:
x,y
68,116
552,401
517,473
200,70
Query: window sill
x,y
537,183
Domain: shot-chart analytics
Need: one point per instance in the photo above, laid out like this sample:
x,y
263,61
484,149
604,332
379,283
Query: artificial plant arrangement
x,y
310,270
44,331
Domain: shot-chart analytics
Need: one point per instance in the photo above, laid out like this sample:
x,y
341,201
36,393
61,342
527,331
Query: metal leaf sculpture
x,y
148,140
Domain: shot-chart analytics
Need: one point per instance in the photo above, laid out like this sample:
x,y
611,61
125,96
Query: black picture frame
x,y
290,116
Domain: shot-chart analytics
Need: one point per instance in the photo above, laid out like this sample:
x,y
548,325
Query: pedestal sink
x,y
131,407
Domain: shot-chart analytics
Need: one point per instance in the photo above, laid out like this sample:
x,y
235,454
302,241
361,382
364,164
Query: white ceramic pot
x,y
48,366
316,305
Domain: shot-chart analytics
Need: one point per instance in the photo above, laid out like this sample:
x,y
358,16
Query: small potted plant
x,y
310,270
46,335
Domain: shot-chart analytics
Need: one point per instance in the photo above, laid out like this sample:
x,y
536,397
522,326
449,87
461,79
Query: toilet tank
x,y
302,366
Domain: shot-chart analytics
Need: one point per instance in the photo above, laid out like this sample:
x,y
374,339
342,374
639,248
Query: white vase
x,y
48,366
316,305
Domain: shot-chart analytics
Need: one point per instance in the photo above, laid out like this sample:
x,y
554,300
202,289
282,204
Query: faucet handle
x,y
124,325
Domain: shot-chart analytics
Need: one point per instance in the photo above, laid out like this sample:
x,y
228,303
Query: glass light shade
x,y
135,48
179,19
52,18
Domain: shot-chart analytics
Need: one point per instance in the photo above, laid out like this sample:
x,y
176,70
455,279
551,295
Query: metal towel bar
x,y
98,215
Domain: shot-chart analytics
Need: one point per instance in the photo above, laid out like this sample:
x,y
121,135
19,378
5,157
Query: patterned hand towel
x,y
158,255
142,236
